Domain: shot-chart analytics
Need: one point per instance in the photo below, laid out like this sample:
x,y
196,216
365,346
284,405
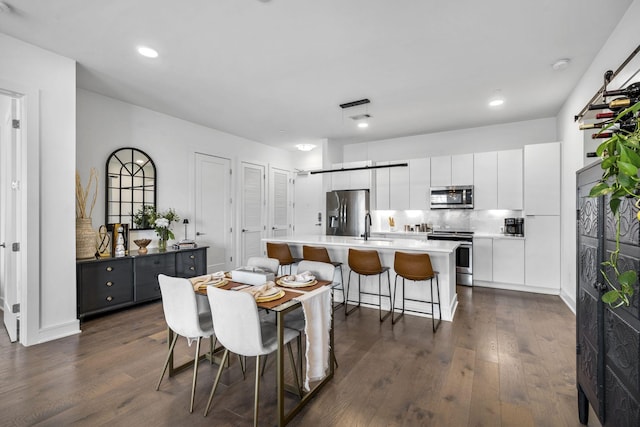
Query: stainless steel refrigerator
x,y
345,212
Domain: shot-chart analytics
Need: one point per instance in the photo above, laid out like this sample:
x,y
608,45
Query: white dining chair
x,y
185,318
239,329
270,264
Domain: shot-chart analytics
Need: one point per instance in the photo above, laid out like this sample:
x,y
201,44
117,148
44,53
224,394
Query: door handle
x,y
274,228
2,245
200,234
244,230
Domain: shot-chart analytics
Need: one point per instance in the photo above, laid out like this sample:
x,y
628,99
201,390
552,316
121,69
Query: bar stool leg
x,y
395,296
346,311
383,318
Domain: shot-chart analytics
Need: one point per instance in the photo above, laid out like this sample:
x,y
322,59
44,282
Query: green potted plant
x,y
162,226
620,156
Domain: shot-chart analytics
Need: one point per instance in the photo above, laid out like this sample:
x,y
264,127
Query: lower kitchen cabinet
x,y
112,283
508,261
542,252
483,259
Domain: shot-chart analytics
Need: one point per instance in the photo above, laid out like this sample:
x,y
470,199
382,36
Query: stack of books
x,y
186,244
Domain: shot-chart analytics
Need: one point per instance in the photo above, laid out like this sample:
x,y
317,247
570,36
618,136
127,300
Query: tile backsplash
x,y
482,221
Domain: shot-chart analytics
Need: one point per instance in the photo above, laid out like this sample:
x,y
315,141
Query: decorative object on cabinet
x,y
131,185
116,231
142,245
108,284
104,241
607,338
162,226
144,217
85,235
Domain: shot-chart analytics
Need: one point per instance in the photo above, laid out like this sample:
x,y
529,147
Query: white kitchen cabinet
x,y
542,252
441,171
399,193
508,261
485,180
419,183
483,259
351,180
542,179
510,179
382,187
462,169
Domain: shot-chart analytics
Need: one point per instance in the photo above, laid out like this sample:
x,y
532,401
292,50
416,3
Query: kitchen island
x,y
443,259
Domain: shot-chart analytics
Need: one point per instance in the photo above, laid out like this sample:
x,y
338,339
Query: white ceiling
x,y
275,71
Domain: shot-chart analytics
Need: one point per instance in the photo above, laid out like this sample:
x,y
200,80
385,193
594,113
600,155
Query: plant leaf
x,y
610,297
627,168
600,189
614,204
628,278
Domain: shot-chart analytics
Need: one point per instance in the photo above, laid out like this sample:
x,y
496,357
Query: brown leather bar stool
x,y
320,254
282,253
367,263
416,267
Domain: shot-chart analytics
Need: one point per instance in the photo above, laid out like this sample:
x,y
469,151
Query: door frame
x,y
27,209
263,215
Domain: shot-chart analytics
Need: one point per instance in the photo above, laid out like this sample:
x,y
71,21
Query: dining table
x,y
286,304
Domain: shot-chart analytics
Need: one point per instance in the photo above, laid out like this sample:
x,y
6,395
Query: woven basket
x,y
85,239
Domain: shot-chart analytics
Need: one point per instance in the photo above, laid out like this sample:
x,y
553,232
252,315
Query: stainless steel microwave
x,y
455,197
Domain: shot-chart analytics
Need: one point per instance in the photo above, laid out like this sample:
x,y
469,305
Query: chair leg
x,y
346,311
395,297
243,366
383,318
215,383
294,369
264,364
195,373
341,289
257,393
435,327
166,363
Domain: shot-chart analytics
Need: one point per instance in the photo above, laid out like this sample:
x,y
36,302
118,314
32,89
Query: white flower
x,y
161,223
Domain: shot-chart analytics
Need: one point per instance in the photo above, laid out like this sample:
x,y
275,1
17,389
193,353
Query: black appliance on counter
x,y
464,253
514,227
458,197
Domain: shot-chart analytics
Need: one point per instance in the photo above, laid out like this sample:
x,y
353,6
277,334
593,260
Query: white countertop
x,y
498,236
433,246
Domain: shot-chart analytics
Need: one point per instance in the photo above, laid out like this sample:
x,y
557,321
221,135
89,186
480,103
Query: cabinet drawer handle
x,y
192,268
109,284
192,257
109,298
109,268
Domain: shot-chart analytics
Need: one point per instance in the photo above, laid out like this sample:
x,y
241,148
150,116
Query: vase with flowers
x,y
85,234
162,226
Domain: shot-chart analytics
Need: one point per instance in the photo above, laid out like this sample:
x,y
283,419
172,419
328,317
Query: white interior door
x,y
212,223
310,205
9,163
281,204
253,211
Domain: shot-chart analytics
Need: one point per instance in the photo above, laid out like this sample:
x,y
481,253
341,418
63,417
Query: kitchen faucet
x,y
367,225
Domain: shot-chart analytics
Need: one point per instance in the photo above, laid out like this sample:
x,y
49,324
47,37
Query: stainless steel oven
x,y
464,253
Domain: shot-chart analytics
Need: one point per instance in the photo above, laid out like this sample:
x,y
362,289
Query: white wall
x,y
620,44
106,124
48,290
472,140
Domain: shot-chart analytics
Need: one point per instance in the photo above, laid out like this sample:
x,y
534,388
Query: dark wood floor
x,y
508,359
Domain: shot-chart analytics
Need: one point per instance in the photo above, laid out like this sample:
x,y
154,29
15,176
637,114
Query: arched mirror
x,y
131,186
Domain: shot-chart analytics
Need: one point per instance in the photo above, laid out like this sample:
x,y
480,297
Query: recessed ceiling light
x,y
305,147
147,52
496,100
561,64
363,125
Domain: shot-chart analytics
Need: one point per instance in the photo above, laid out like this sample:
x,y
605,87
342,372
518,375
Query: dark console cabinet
x,y
607,339
112,283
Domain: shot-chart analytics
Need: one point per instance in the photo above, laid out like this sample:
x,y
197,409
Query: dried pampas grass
x,y
82,194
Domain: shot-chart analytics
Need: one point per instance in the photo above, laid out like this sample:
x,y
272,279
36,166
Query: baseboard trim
x,y
520,288
59,331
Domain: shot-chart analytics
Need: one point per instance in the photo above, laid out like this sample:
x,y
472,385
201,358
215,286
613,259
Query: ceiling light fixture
x,y
561,64
305,147
147,52
363,125
496,100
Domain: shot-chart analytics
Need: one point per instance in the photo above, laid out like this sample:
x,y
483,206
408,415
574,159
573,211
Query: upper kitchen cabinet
x,y
452,170
351,180
485,180
440,171
392,187
462,169
419,183
542,179
510,179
